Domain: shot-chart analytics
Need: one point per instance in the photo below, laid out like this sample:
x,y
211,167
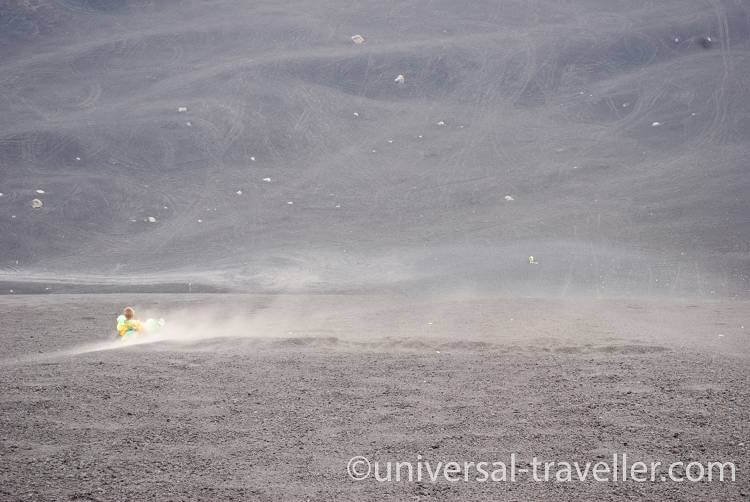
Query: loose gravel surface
x,y
267,398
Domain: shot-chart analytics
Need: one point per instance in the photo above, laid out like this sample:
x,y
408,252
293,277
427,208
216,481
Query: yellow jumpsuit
x,y
128,326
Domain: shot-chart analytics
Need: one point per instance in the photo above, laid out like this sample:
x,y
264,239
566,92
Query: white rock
x,y
78,158
238,192
252,159
356,114
267,180
200,221
290,202
655,124
39,191
358,39
189,124
509,198
389,141
36,203
182,109
399,79
151,219
441,123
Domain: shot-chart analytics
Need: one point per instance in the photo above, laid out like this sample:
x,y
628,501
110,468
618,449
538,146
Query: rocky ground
x,y
267,398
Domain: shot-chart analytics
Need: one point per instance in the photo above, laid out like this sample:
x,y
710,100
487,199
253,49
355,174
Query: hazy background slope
x,y
620,129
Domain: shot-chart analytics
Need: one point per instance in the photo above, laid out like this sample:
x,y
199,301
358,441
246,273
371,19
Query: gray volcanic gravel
x,y
270,398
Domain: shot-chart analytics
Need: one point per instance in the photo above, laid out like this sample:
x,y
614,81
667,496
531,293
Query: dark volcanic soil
x,y
253,146
270,399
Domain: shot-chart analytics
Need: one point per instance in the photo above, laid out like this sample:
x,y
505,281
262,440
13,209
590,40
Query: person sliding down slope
x,y
128,325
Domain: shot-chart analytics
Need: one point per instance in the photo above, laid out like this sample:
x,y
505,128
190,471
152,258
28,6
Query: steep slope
x,y
620,130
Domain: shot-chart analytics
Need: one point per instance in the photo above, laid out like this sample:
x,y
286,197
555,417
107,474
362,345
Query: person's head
x,y
129,313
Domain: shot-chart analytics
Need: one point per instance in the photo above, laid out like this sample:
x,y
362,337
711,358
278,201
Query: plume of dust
x,y
182,328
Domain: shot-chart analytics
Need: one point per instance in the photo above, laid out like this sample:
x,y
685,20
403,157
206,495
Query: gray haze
x,y
620,129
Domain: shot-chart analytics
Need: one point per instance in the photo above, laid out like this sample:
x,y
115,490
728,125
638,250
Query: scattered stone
x,y
389,141
532,261
36,203
420,136
707,42
189,124
200,221
400,79
182,109
509,198
358,39
238,192
441,123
